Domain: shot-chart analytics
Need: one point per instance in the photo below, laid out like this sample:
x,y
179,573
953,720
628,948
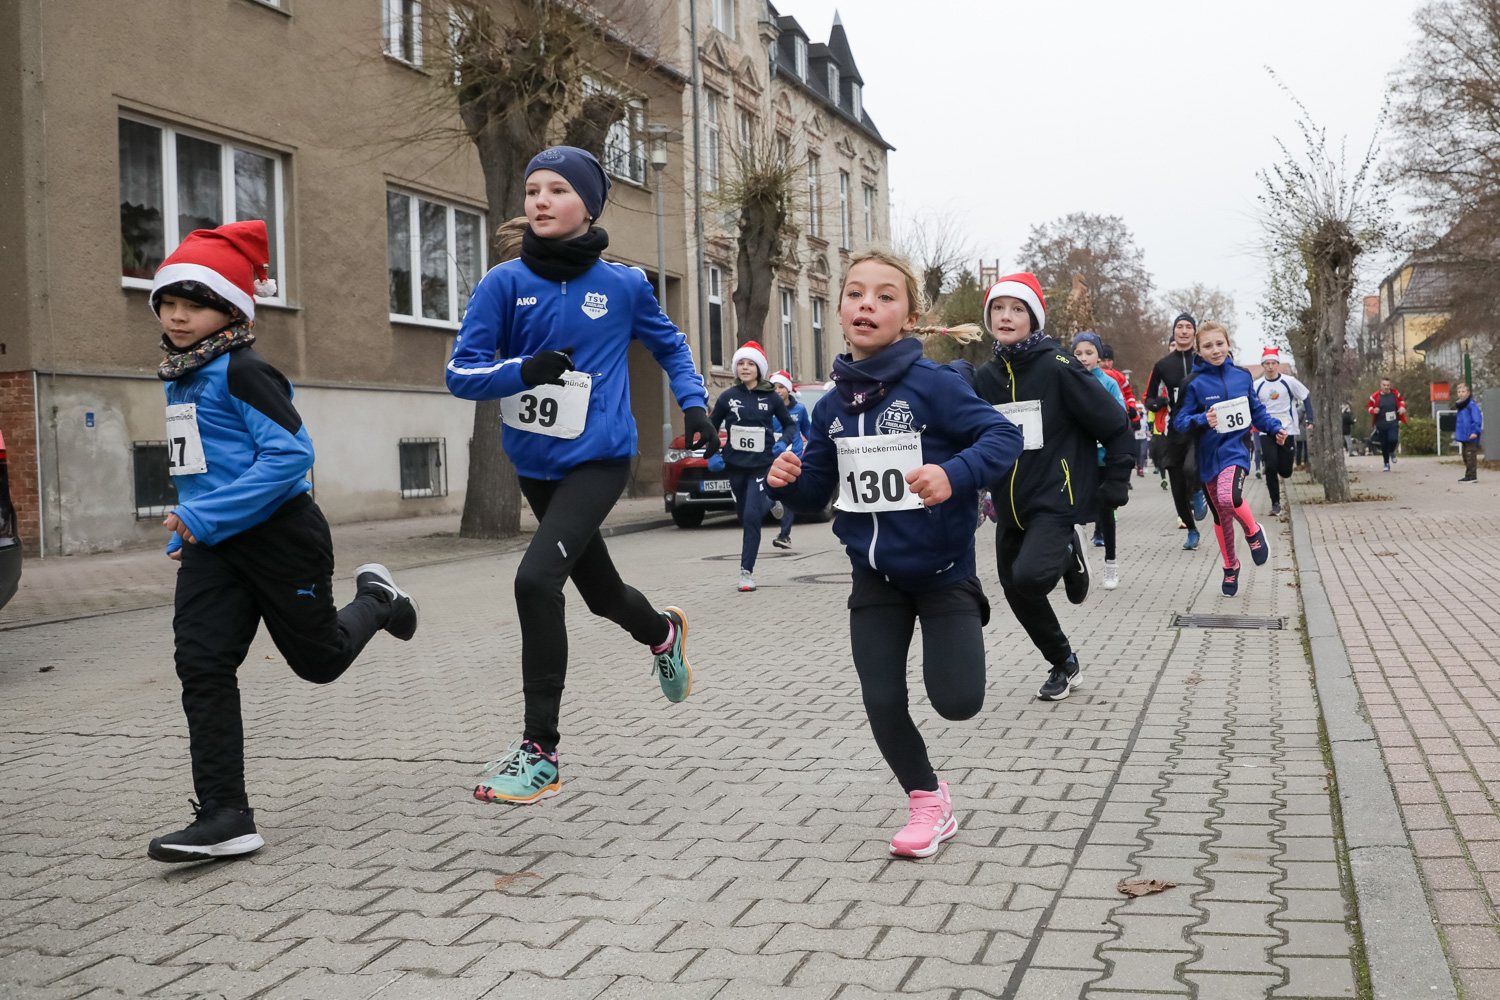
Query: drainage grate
x,y
1227,621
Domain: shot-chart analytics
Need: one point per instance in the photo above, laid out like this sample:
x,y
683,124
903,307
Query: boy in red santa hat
x,y
252,544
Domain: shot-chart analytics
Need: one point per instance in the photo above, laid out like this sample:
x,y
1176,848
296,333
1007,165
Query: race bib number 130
x,y
554,410
872,472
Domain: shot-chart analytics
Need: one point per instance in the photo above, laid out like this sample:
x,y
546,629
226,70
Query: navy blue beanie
x,y
1092,338
579,168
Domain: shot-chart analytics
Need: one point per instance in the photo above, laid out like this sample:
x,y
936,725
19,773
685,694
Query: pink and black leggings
x,y
1226,502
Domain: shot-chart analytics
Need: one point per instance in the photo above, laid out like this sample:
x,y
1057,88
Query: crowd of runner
x,y
1041,439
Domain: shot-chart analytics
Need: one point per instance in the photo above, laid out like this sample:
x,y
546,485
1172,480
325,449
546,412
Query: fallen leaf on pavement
x,y
506,881
1145,886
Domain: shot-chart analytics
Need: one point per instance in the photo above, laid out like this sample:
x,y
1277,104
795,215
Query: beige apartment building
x,y
131,124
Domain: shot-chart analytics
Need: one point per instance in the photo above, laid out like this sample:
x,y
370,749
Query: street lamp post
x,y
659,135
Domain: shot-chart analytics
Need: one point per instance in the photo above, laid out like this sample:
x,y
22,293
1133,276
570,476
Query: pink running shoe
x,y
931,823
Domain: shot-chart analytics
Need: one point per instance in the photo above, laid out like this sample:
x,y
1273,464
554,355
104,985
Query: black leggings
x,y
1183,488
1031,561
1388,446
1278,463
1104,523
952,664
567,544
279,572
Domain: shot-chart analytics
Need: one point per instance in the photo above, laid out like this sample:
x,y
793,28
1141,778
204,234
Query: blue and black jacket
x,y
515,314
757,407
254,444
802,422
1470,420
1212,384
924,549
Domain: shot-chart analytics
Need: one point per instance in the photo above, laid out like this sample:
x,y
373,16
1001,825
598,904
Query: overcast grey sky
x,y
1168,102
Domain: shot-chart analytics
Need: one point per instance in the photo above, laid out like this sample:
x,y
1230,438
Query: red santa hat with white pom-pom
x,y
754,352
232,261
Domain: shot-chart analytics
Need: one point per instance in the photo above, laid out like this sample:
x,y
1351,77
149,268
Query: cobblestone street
x,y
730,847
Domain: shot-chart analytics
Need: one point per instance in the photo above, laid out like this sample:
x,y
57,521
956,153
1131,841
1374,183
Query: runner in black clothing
x,y
1178,452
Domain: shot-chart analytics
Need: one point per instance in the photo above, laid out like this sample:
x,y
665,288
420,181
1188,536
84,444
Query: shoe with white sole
x,y
215,832
747,582
1111,574
930,821
403,621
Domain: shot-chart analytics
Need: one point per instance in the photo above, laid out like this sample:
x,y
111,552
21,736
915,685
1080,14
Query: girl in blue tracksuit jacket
x,y
1209,408
782,380
906,445
754,413
252,544
547,336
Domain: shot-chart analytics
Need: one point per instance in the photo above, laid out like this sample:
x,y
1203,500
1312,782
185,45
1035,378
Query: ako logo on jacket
x,y
595,304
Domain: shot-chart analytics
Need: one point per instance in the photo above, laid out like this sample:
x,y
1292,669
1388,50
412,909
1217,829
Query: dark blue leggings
x,y
751,501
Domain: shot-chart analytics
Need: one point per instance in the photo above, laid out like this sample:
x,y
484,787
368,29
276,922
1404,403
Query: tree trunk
x,y
1332,284
755,272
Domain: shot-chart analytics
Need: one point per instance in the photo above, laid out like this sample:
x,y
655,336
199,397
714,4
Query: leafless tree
x,y
1205,302
760,189
938,247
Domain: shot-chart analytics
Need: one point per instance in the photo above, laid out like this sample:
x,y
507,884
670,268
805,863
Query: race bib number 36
x,y
872,472
1027,415
184,443
1234,415
554,410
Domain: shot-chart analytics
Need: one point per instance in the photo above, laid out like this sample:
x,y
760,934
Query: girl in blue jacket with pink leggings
x,y
1218,403
906,445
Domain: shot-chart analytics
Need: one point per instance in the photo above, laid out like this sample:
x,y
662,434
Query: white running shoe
x,y
747,583
1111,574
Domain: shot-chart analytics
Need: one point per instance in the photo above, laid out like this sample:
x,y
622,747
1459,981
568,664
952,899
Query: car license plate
x,y
715,486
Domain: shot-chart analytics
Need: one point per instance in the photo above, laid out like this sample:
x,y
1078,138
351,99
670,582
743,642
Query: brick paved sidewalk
x,y
72,586
1415,586
730,847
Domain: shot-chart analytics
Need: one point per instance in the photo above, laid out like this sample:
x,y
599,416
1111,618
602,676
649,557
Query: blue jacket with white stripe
x,y
254,445
515,314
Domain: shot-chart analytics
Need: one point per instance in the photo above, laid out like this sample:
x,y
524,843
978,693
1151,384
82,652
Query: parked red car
x,y
690,490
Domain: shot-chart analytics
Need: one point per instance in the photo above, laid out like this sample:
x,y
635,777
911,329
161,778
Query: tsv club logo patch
x,y
897,419
595,304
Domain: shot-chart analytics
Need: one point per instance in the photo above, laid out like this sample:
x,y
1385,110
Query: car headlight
x,y
676,454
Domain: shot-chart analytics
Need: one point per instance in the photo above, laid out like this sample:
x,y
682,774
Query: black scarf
x,y
1021,346
181,360
562,260
1463,403
863,384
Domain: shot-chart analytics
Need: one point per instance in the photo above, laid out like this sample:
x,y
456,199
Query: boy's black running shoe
x,y
1076,576
215,832
1061,679
403,621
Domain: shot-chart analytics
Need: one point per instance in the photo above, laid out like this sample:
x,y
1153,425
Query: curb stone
x,y
1402,949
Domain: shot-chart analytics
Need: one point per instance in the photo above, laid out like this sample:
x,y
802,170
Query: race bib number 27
x,y
184,443
872,472
558,411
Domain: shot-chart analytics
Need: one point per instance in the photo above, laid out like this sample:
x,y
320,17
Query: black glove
x,y
1155,403
547,367
1114,493
1135,424
699,432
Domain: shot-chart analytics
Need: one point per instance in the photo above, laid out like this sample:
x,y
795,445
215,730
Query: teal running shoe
x,y
525,774
671,665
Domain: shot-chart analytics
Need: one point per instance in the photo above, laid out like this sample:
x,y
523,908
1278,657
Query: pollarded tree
x,y
761,190
937,246
1319,218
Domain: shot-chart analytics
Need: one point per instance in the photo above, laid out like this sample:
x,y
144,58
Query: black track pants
x,y
1031,561
751,501
1183,488
1104,523
952,664
567,544
280,571
1278,463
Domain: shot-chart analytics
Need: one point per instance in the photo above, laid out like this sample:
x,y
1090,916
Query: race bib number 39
x,y
554,410
184,443
872,472
1234,415
1027,415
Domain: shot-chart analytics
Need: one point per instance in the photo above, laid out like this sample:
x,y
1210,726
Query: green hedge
x,y
1419,437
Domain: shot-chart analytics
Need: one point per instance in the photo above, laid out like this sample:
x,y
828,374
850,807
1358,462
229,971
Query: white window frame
x,y
799,57
844,220
393,30
628,133
833,83
716,298
171,237
818,307
414,231
723,16
856,99
713,145
745,128
869,214
814,196
788,311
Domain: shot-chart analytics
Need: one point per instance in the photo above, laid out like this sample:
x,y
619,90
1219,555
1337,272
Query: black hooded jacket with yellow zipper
x,y
1062,476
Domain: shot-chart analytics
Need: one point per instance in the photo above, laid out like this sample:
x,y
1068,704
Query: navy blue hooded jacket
x,y
1212,384
758,407
915,549
254,445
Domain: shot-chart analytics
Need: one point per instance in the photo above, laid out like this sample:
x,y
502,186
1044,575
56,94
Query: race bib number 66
x,y
873,470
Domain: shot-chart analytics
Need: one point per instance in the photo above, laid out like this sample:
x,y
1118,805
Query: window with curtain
x,y
723,16
814,196
403,30
869,213
435,255
173,182
712,149
844,233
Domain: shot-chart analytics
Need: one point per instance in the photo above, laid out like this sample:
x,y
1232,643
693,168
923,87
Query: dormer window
x,y
833,83
854,99
799,56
